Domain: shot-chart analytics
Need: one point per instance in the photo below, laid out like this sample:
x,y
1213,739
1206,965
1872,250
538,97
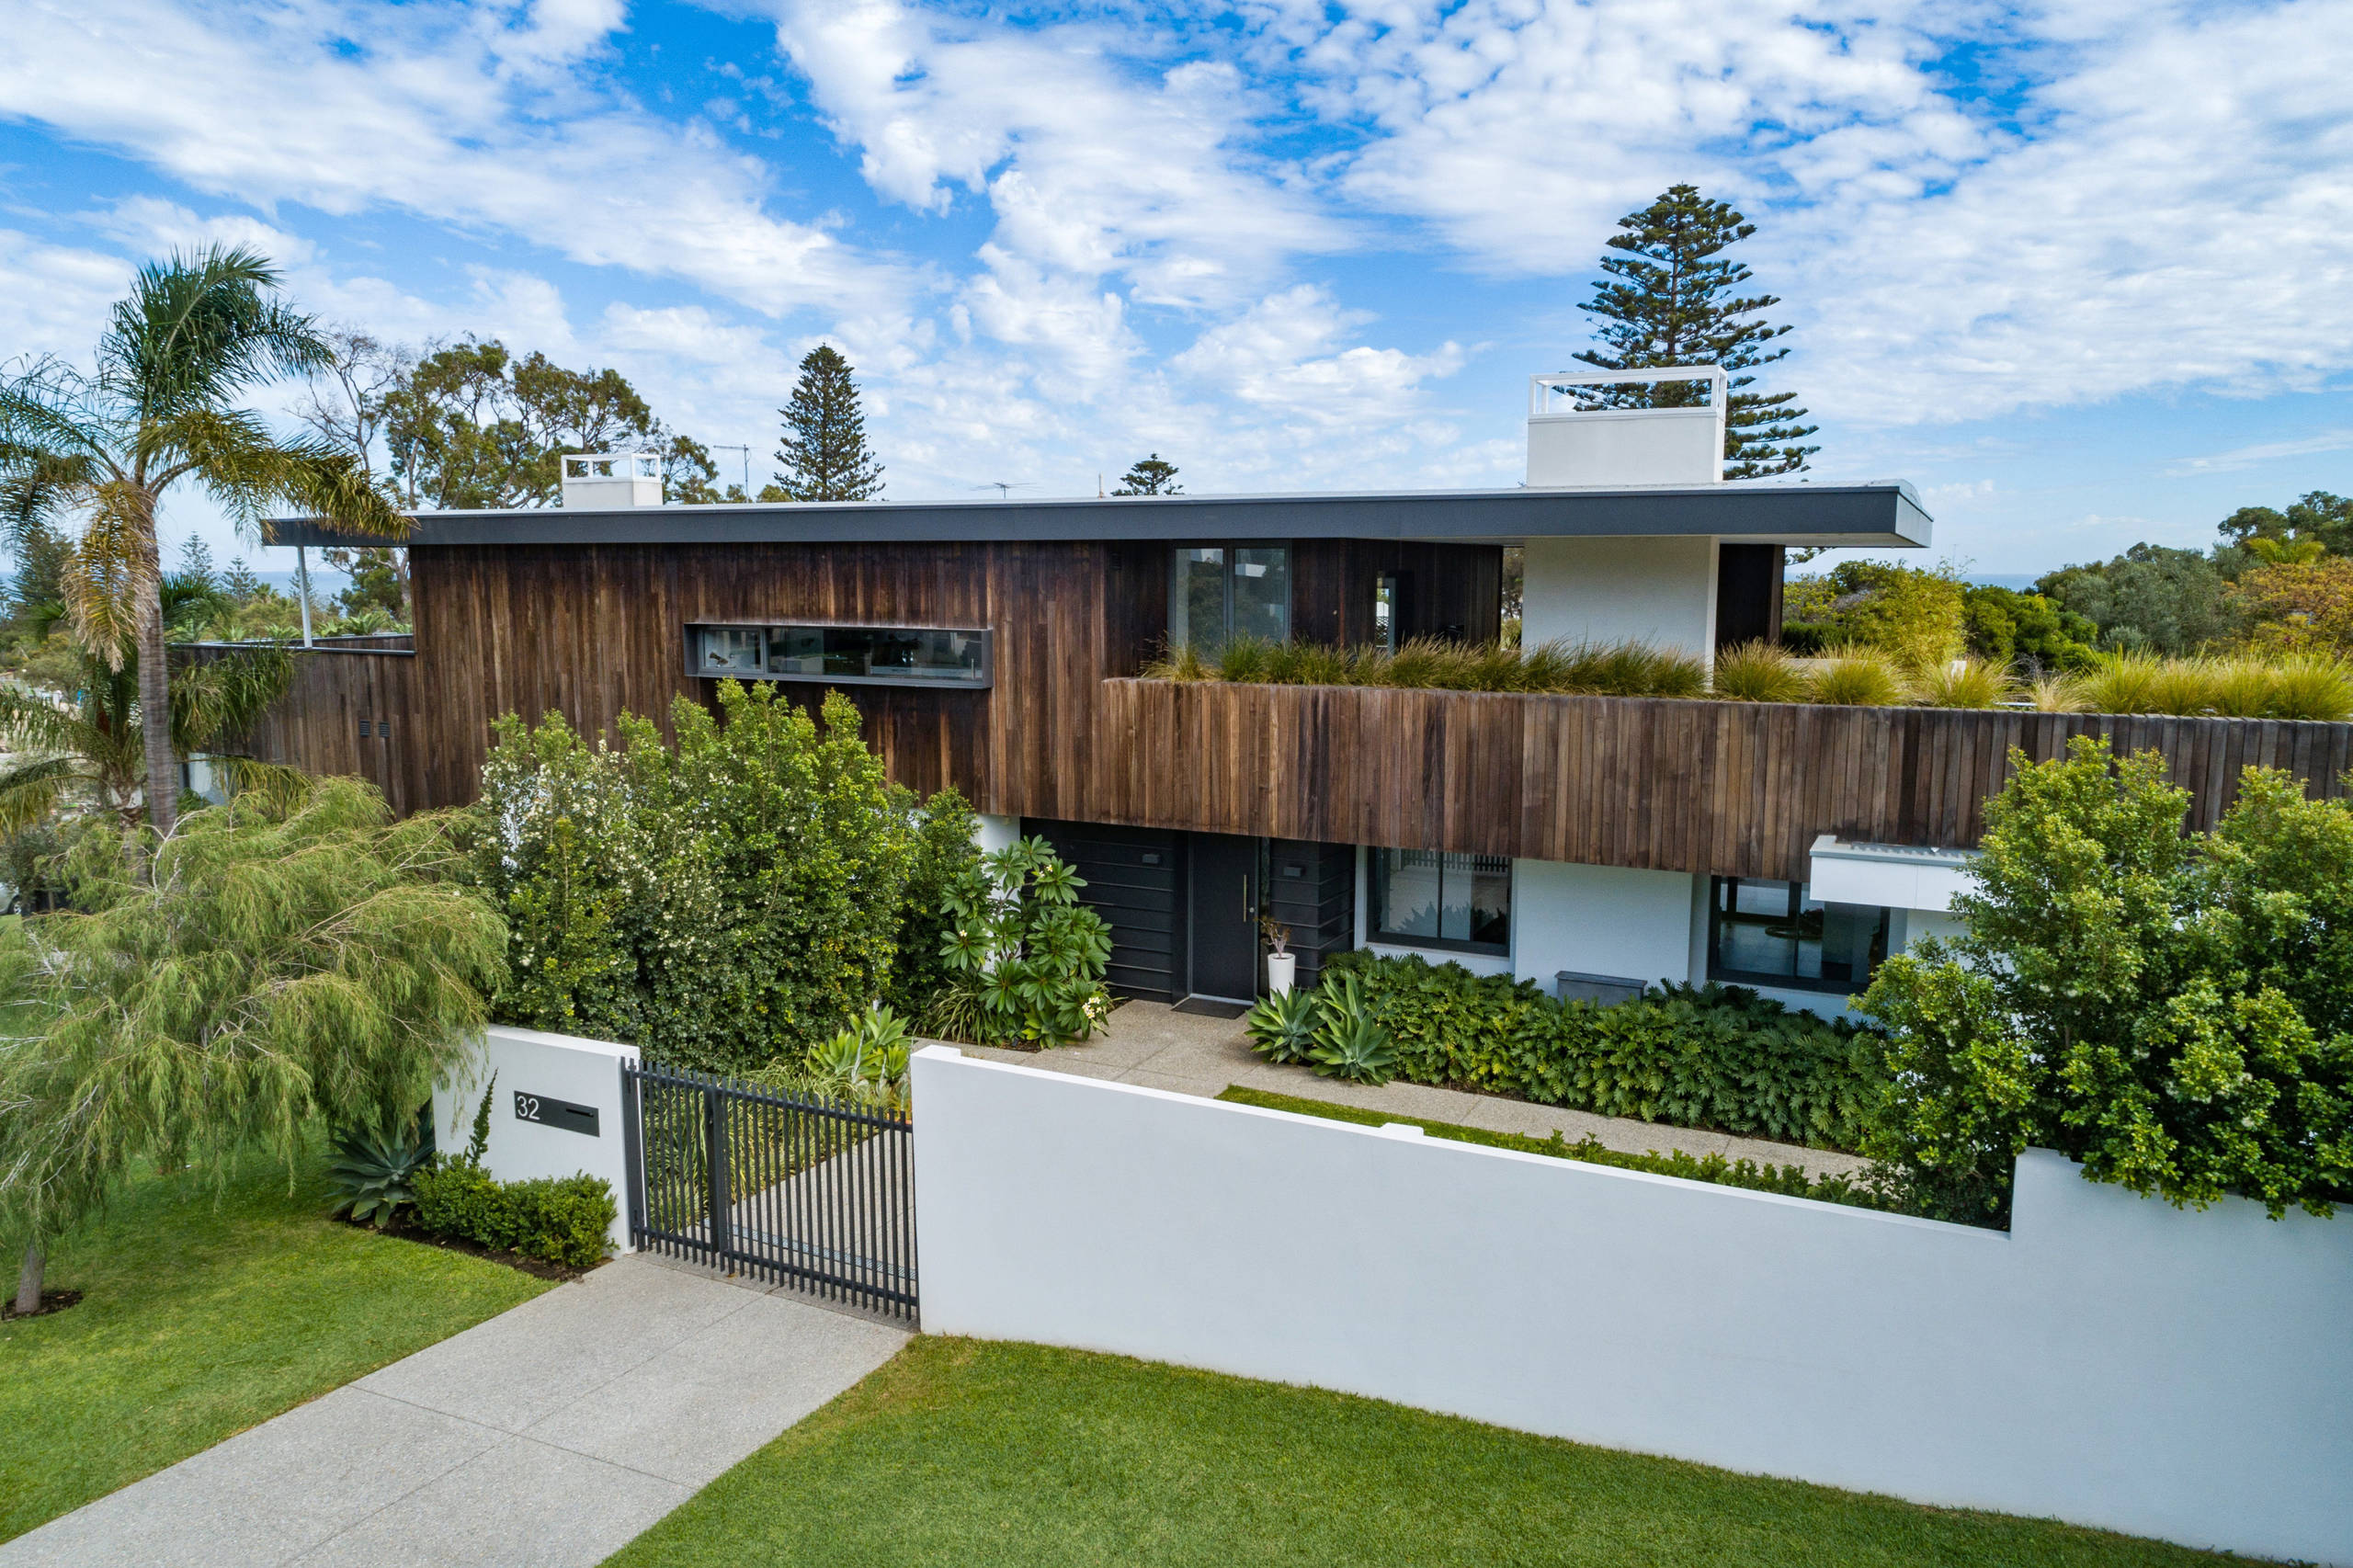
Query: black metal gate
x,y
815,1194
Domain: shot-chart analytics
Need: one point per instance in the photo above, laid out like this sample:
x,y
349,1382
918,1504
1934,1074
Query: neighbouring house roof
x,y
1884,516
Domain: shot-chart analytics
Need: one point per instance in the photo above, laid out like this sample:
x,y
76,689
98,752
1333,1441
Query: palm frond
x,y
29,792
28,724
335,488
280,790
198,327
223,694
110,573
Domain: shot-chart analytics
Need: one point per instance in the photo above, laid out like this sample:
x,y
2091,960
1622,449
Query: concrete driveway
x,y
546,1437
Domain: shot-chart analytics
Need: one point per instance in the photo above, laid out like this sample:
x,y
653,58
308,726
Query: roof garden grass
x,y
2247,685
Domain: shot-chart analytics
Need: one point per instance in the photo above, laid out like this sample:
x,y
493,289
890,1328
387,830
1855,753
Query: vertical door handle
x,y
1246,898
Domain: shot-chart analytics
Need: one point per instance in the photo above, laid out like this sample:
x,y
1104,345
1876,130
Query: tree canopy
x,y
99,452
2175,1011
1149,476
1670,298
823,449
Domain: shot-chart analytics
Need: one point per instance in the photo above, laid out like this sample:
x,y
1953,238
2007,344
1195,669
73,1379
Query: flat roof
x,y
1882,515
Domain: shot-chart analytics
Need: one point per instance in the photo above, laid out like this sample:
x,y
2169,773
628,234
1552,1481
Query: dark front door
x,y
1225,888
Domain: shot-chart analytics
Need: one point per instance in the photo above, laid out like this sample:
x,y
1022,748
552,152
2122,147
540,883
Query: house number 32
x,y
527,1107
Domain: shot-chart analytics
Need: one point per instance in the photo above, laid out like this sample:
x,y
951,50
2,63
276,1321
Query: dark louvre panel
x,y
1311,888
1133,876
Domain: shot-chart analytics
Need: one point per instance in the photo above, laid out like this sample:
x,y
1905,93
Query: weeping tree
x,y
281,962
95,455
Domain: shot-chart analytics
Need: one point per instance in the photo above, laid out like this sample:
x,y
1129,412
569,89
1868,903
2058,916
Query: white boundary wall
x,y
545,1067
2111,1361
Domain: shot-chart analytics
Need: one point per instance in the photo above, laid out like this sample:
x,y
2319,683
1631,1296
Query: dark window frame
x,y
1724,974
692,638
1377,906
1230,550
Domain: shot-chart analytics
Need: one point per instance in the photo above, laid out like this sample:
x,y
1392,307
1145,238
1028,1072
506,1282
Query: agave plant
x,y
371,1172
872,1053
1282,1027
1347,1044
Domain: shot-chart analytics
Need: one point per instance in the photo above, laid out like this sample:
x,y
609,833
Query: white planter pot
x,y
1281,972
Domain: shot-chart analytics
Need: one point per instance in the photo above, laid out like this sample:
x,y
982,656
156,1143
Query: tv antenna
x,y
723,447
1005,487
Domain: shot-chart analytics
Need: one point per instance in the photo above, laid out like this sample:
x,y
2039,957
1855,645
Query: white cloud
x,y
2237,458
473,116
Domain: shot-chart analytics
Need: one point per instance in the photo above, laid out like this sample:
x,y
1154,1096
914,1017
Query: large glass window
x,y
1428,898
1217,592
892,656
1763,933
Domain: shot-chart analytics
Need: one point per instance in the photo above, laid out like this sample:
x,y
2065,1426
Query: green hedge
x,y
1790,1181
561,1220
1715,1056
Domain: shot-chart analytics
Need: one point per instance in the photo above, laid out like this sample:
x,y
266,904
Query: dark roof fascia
x,y
1885,516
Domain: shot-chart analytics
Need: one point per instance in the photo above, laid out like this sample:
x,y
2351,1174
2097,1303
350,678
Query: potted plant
x,y
1282,964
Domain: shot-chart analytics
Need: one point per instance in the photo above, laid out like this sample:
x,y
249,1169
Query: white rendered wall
x,y
1661,591
2112,1361
551,1067
1610,920
995,833
1655,445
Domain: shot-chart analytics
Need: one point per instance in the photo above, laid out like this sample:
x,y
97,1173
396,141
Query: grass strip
x,y
960,1453
206,1310
1791,1181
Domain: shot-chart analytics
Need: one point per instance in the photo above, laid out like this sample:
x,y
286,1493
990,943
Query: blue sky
x,y
2083,272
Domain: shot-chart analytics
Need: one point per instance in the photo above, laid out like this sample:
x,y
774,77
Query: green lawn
x,y
203,1314
966,1453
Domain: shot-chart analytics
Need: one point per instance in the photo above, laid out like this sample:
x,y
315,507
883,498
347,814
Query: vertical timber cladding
x,y
347,712
1135,881
592,631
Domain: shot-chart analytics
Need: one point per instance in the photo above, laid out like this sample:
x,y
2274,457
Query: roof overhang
x,y
1882,516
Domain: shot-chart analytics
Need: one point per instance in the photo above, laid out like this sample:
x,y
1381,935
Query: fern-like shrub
x,y
1709,1056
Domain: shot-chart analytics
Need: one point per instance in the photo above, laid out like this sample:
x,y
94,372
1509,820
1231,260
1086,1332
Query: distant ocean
x,y
2022,583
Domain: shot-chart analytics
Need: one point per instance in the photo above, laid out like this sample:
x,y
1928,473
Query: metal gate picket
x,y
815,1194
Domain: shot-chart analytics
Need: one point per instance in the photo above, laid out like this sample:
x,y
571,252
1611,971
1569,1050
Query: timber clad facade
x,y
1596,843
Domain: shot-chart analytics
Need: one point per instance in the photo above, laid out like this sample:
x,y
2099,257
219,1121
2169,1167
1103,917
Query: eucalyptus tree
x,y
97,453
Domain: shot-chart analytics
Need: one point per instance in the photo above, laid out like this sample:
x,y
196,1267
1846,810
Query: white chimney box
x,y
1569,446
604,481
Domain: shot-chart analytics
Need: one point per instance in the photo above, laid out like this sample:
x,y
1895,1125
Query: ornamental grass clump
x,y
1606,669
2312,686
1757,672
1858,678
1964,683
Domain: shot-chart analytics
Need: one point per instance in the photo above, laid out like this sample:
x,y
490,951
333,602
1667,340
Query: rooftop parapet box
x,y
1574,438
603,481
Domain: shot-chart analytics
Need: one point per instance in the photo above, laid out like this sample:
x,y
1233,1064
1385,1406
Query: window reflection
x,y
1427,897
1217,592
898,654
1769,932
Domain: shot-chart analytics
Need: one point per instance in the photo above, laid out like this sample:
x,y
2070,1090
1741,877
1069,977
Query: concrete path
x,y
546,1437
1152,1044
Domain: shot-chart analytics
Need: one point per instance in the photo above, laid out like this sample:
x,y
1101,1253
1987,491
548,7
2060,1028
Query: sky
x,y
2082,272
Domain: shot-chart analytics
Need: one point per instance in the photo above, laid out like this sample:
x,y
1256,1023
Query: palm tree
x,y
195,331
89,745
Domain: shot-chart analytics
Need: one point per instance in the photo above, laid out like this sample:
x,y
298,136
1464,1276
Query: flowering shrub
x,y
724,903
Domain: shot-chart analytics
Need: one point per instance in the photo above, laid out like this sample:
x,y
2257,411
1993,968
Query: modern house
x,y
1589,843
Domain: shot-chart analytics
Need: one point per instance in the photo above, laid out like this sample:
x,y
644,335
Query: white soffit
x,y
1890,876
